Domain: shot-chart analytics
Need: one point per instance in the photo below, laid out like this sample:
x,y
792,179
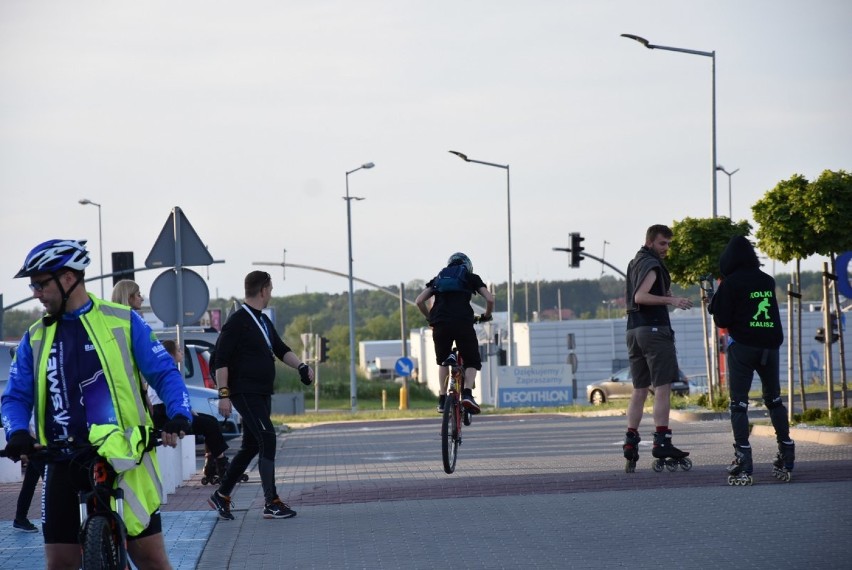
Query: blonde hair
x,y
123,291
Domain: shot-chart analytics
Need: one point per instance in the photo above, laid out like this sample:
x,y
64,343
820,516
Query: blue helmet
x,y
53,255
459,258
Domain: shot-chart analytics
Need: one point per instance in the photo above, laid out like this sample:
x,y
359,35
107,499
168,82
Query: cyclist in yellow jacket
x,y
77,370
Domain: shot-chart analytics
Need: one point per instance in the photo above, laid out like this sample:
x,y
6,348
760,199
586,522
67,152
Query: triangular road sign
x,y
178,237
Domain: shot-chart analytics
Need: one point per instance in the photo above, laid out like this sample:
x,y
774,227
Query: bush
x,y
721,403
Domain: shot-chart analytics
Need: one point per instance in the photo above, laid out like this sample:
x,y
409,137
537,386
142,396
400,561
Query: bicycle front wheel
x,y
102,545
450,432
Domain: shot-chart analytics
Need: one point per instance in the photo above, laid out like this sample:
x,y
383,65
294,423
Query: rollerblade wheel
x,y
731,480
671,465
658,466
244,477
204,481
686,464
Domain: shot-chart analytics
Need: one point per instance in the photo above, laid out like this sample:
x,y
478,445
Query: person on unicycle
x,y
451,318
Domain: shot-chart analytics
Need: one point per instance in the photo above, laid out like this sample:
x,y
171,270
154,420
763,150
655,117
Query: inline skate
x,y
667,455
209,474
740,469
784,460
215,469
631,450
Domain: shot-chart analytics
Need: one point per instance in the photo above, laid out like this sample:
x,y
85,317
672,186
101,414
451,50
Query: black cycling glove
x,y
176,425
19,443
303,374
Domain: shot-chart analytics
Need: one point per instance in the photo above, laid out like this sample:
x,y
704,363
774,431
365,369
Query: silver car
x,y
620,385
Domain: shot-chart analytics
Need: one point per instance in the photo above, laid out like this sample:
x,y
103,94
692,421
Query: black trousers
x,y
202,424
259,438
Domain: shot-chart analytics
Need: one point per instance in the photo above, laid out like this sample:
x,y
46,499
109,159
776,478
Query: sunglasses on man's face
x,y
38,286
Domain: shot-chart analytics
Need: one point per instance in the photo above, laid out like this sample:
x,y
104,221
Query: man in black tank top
x,y
650,343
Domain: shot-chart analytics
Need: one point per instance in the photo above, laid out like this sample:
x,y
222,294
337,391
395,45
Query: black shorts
x,y
60,504
462,333
652,356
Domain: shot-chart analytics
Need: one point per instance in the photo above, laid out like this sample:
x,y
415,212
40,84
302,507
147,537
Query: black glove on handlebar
x,y
176,425
19,443
303,374
485,319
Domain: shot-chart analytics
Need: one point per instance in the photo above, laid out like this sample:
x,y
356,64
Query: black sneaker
x,y
441,399
222,504
470,404
278,510
24,525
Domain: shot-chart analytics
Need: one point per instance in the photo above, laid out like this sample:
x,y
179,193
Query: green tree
x,y
784,232
827,206
697,244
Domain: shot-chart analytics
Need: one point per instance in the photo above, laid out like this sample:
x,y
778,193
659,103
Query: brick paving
x,y
546,491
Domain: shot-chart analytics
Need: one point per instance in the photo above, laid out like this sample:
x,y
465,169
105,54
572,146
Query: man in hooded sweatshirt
x,y
746,306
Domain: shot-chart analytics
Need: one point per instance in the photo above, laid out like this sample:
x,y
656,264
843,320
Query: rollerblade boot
x,y
667,455
209,475
784,460
222,466
740,469
631,450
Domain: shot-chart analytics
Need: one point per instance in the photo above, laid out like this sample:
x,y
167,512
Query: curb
x,y
823,437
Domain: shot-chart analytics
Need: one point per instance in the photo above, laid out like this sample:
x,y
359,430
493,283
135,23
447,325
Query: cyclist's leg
x,y
443,341
62,556
149,552
468,345
61,515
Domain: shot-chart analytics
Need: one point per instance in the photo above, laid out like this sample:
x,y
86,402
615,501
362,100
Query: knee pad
x,y
739,408
773,403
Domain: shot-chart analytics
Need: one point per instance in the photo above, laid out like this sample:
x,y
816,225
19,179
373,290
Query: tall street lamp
x,y
87,202
510,351
722,168
712,55
353,385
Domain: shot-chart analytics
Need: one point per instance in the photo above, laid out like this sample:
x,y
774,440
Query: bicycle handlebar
x,y
70,446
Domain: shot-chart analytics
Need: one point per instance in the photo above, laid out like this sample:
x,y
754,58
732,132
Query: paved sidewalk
x,y
539,491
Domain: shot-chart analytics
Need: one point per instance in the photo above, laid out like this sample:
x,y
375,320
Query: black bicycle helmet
x,y
459,258
53,255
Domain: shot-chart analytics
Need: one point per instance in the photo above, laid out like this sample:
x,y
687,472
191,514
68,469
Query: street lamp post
x,y
712,55
87,202
353,383
722,168
510,351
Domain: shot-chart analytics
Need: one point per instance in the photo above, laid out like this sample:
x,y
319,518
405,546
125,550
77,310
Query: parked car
x,y
196,367
620,385
698,384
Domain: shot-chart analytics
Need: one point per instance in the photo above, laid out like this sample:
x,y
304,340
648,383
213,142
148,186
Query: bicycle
x,y
103,535
455,415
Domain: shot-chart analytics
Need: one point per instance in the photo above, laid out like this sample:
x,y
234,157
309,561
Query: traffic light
x,y
323,349
576,249
122,261
835,332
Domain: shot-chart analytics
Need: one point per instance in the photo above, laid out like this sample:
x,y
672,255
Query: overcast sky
x,y
248,114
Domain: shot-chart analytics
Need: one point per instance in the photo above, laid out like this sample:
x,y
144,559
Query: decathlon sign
x,y
534,386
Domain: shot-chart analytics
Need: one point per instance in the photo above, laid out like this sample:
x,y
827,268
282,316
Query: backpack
x,y
452,278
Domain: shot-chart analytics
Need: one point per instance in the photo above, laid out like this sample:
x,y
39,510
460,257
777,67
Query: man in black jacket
x,y
745,304
245,373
